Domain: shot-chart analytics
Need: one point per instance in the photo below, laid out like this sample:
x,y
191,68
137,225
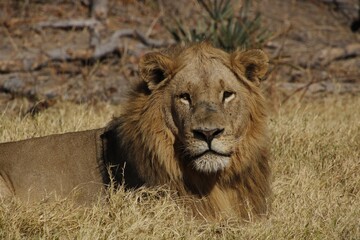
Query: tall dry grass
x,y
316,183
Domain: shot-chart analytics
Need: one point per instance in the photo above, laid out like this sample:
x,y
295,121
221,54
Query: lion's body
x,y
52,167
196,124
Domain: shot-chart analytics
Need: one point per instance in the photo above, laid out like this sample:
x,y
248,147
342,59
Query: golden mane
x,y
147,148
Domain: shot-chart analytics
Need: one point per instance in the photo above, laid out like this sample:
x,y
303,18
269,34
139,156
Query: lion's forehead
x,y
205,75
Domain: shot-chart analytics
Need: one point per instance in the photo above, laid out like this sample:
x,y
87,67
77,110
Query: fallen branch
x,y
98,9
110,46
97,49
74,24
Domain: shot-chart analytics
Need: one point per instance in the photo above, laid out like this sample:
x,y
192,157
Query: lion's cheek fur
x,y
153,154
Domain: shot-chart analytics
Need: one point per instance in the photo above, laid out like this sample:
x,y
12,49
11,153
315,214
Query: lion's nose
x,y
208,135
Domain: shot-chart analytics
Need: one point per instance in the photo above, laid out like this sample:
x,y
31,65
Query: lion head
x,y
196,122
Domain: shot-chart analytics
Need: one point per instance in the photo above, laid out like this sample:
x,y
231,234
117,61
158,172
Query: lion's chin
x,y
211,162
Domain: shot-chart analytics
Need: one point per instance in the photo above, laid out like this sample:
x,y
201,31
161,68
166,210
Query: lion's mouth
x,y
210,161
211,152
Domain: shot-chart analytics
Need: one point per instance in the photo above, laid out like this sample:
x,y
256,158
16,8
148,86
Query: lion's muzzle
x,y
207,135
208,151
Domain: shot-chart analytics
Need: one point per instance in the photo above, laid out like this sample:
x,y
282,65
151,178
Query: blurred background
x,y
87,51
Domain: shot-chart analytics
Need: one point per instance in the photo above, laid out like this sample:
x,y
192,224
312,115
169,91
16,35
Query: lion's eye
x,y
185,98
228,96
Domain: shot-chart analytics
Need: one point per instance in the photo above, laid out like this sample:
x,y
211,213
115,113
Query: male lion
x,y
195,123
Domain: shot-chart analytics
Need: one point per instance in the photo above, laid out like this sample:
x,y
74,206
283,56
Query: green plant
x,y
222,26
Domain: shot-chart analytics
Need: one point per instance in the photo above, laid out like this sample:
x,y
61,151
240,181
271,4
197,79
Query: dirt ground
x,y
313,49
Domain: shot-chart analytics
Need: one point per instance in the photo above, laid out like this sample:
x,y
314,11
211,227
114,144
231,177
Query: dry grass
x,y
316,166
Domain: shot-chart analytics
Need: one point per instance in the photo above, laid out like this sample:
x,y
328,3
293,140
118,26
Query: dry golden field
x,y
316,182
315,142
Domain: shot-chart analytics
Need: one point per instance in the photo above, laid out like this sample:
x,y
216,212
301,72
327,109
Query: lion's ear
x,y
154,68
252,63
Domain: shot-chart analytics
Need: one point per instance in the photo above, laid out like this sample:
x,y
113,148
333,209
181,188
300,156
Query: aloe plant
x,y
221,25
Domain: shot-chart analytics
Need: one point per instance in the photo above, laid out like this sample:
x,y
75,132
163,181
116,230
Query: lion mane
x,y
147,143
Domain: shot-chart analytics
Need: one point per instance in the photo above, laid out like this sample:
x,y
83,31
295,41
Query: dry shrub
x,y
316,183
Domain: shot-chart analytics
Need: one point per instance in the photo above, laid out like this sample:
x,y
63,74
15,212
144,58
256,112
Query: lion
x,y
196,122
